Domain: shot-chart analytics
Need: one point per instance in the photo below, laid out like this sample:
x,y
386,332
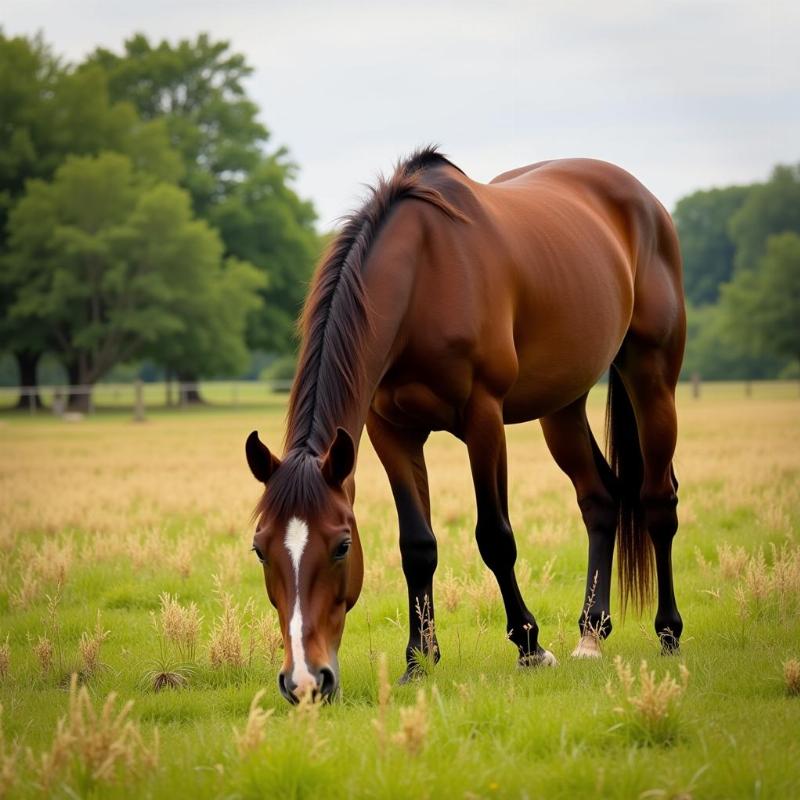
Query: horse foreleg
x,y
484,435
401,453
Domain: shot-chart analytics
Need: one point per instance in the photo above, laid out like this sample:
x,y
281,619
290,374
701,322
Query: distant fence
x,y
139,397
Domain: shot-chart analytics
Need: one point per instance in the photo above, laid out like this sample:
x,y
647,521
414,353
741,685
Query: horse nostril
x,y
285,691
327,682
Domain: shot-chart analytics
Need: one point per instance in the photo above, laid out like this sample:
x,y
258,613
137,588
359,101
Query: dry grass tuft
x,y
92,747
89,648
770,585
450,589
180,626
181,556
5,659
254,732
225,645
791,676
731,561
649,710
264,635
380,723
44,652
414,725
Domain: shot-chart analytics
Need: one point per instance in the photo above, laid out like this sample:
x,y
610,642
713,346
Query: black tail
x,y
635,552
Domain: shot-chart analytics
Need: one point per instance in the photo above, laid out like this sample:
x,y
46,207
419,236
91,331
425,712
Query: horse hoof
x,y
587,647
410,675
543,658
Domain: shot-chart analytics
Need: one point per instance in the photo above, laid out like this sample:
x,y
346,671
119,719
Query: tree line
x,y
145,217
143,213
741,267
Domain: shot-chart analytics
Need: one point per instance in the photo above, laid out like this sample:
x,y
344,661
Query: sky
x,y
685,95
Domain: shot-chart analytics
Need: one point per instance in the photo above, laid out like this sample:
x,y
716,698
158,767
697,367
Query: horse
x,y
448,304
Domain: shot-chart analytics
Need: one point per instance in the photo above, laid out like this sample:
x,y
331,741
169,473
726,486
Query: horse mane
x,y
333,329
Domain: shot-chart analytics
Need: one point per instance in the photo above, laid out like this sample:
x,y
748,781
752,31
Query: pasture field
x,y
99,519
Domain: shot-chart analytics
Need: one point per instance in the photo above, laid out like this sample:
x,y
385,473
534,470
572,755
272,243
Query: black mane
x,y
333,327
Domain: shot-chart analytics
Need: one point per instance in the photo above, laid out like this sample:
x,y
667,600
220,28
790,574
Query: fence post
x,y
695,385
138,409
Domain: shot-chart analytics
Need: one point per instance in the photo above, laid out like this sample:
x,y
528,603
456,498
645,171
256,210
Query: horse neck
x,y
388,279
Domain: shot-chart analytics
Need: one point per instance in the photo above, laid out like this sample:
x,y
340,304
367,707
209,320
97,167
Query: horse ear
x,y
261,462
340,458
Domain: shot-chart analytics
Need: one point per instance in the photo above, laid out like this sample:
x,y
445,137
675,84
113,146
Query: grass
x,y
124,559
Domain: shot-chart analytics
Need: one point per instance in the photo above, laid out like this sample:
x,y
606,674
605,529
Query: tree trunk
x,y
77,399
27,362
189,390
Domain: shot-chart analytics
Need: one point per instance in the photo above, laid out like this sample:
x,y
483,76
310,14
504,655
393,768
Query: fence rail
x,y
138,396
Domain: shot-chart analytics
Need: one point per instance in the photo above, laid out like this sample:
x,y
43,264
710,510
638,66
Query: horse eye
x,y
341,550
259,555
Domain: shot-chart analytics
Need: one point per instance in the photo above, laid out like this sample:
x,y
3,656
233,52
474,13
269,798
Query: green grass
x,y
493,730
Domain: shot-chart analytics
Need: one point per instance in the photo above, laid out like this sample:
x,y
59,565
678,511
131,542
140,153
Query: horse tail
x,y
635,553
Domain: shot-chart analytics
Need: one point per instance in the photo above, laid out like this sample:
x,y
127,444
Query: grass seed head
x,y
252,736
791,676
43,650
89,647
5,659
414,726
648,707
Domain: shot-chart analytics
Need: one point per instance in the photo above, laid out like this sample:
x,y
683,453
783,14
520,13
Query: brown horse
x,y
446,304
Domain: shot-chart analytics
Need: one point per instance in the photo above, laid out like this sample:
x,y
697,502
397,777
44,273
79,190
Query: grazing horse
x,y
446,304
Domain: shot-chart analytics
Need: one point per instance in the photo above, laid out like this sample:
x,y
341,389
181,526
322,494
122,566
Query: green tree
x,y
108,260
197,88
211,341
49,112
715,354
703,220
770,208
264,222
761,306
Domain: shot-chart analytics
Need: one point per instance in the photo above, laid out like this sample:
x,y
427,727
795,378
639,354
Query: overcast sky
x,y
685,95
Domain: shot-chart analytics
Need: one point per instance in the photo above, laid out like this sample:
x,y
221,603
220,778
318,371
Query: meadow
x,y
124,561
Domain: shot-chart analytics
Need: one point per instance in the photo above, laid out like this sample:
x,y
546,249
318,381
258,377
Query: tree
x,y
49,112
108,259
703,220
761,306
197,88
714,353
264,222
770,208
212,338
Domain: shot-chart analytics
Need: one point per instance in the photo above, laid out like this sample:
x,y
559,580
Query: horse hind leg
x,y
649,374
572,445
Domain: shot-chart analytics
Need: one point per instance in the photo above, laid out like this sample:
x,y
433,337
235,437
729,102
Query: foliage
x,y
112,261
703,220
761,307
197,89
264,222
770,208
714,352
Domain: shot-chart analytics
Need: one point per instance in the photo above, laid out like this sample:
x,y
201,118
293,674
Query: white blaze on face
x,y
296,538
